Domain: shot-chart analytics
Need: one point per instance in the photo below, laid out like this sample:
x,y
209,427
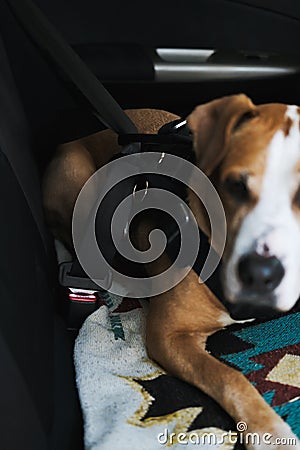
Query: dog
x,y
252,155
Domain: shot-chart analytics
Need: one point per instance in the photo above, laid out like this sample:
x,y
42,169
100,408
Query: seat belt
x,y
69,66
64,58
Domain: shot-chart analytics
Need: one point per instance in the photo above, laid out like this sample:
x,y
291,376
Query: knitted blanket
x,y
129,403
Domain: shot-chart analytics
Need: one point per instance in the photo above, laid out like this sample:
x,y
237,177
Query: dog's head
x,y
252,155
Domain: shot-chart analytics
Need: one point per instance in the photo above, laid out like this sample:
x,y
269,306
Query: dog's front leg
x,y
178,325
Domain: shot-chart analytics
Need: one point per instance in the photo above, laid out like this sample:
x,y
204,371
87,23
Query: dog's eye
x,y
237,188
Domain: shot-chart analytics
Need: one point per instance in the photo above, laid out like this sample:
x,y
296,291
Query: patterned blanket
x,y
129,403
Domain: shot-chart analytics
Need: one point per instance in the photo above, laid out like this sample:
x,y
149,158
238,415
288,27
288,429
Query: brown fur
x,y
180,320
241,151
246,154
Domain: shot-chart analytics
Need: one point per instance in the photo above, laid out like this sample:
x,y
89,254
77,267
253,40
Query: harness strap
x,y
176,142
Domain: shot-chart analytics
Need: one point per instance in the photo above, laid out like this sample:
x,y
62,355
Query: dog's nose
x,y
260,274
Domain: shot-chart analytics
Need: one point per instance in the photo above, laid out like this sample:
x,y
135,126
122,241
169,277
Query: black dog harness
x,y
173,138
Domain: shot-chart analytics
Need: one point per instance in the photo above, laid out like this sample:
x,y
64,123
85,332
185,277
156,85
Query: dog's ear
x,y
212,125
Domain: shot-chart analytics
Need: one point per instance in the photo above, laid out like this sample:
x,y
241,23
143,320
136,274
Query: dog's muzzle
x,y
259,276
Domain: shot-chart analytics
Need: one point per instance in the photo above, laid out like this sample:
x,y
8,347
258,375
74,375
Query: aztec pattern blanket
x,y
129,403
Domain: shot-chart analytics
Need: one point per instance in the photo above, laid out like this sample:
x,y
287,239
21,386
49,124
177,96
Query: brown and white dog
x,y
252,155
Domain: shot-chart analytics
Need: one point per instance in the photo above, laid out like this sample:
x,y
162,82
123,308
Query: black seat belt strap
x,y
64,58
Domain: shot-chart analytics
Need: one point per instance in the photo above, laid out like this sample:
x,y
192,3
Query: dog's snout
x,y
260,274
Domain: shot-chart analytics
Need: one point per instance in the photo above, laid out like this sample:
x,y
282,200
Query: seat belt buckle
x,y
75,281
78,305
80,297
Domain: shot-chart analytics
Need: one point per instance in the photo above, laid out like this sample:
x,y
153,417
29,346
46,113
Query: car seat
x,y
39,403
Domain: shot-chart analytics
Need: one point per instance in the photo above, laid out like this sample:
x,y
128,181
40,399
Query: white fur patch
x,y
226,320
272,224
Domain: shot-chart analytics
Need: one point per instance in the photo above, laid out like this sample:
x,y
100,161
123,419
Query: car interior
x,y
166,55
